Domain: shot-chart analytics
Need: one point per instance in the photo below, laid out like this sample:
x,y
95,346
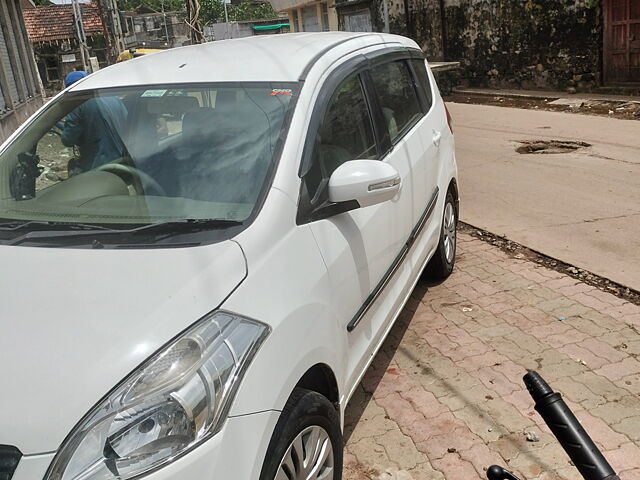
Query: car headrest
x,y
199,124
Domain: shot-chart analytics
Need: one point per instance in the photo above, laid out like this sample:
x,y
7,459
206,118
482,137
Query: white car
x,y
203,249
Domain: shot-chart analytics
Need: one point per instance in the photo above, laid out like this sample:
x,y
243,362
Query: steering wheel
x,y
144,180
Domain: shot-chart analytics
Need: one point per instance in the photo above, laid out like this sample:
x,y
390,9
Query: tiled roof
x,y
55,22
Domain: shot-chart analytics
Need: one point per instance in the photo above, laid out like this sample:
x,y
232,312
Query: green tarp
x,y
270,27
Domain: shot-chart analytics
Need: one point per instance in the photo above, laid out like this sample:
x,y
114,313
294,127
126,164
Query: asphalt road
x,y
581,207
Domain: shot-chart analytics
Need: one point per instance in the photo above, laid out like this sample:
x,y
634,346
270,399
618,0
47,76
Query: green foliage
x,y
169,5
42,3
211,11
248,10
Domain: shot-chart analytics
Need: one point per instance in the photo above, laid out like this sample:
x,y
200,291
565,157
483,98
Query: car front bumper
x,y
236,452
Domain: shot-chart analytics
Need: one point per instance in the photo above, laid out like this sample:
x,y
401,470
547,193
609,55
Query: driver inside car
x,y
95,127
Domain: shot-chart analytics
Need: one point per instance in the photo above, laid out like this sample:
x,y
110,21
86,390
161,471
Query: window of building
x,y
51,65
397,94
325,17
358,21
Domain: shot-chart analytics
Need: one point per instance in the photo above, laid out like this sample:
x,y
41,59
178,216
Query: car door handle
x,y
437,136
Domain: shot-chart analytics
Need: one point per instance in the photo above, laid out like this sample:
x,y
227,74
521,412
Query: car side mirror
x,y
367,182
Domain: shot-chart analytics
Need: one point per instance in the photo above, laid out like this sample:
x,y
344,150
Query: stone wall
x,y
507,43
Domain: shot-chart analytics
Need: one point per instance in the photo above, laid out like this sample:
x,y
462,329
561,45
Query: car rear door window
x,y
424,85
396,91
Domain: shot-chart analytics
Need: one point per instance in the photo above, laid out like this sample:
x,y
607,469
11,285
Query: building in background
x,y
304,16
57,49
543,44
246,28
150,29
20,88
582,45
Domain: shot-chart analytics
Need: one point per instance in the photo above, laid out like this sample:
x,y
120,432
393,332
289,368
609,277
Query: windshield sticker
x,y
153,93
281,91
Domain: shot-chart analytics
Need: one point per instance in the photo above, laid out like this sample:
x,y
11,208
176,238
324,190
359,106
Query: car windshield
x,y
138,156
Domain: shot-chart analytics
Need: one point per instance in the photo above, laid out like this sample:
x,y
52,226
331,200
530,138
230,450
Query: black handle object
x,y
22,182
565,426
495,472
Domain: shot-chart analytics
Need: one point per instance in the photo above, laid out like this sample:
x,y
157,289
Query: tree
x,y
248,10
169,5
212,11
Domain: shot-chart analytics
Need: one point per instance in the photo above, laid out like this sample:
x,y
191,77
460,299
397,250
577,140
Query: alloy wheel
x,y
449,232
309,457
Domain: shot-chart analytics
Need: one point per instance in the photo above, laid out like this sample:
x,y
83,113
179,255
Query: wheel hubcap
x,y
309,457
449,232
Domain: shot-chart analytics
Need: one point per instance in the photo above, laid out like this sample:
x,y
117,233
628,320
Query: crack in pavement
x,y
579,222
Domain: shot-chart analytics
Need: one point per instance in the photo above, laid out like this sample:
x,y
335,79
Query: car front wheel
x,y
307,441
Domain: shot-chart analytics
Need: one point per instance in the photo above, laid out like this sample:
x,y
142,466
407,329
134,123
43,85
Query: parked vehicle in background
x,y
201,300
131,53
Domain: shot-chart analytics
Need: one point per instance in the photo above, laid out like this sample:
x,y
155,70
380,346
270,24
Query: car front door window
x,y
345,133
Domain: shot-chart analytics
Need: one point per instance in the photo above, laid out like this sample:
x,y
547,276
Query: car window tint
x,y
147,154
422,77
396,92
346,132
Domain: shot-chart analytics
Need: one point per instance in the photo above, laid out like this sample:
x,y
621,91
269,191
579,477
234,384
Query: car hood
x,y
74,323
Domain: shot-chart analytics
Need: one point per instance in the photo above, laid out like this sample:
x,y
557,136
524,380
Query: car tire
x,y
441,264
308,428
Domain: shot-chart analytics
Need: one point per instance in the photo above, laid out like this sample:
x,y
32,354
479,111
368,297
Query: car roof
x,y
274,58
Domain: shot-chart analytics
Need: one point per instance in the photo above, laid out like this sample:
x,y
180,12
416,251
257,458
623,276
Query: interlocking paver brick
x,y
576,392
615,371
566,338
630,474
618,410
603,350
444,398
630,427
624,457
580,354
453,467
456,440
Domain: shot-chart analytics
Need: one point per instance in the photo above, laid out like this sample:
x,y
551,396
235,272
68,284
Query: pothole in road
x,y
550,146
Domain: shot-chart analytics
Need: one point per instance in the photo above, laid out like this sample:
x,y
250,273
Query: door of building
x,y
310,19
622,41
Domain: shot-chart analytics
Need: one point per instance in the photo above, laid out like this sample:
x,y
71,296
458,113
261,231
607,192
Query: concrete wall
x,y
526,44
508,43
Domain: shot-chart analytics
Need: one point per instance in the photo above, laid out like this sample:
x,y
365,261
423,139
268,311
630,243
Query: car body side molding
x,y
415,233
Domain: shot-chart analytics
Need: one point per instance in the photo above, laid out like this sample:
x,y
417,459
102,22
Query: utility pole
x,y
226,17
114,22
82,38
111,27
385,14
166,30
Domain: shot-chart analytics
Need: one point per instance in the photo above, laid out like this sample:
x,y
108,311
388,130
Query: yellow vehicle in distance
x,y
135,52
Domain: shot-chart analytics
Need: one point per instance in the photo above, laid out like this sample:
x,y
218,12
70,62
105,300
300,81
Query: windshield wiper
x,y
16,225
168,228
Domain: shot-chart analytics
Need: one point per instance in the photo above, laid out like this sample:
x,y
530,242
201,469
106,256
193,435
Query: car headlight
x,y
174,401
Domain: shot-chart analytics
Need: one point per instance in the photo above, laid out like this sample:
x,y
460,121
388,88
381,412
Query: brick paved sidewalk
x,y
444,396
